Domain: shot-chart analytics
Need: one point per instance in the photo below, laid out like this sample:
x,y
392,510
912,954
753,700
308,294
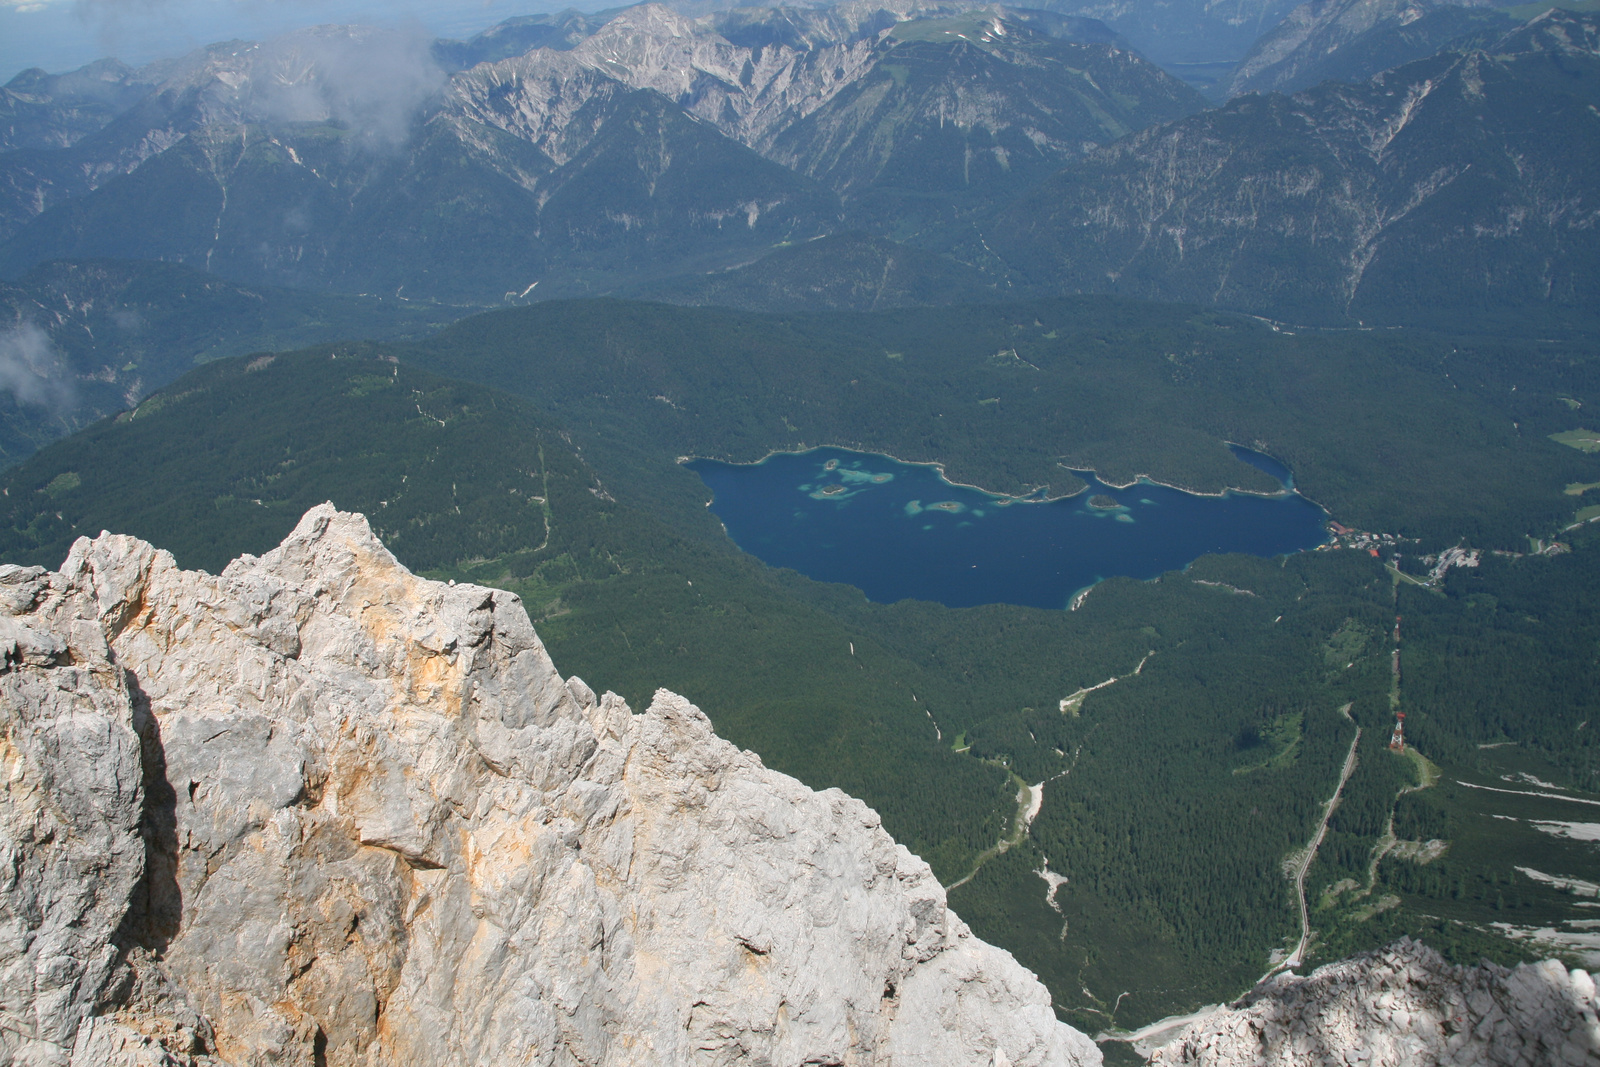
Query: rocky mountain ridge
x,y
45,111
316,810
645,144
1458,182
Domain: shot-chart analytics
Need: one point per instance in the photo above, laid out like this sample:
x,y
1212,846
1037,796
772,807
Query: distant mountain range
x,y
646,152
646,144
1457,189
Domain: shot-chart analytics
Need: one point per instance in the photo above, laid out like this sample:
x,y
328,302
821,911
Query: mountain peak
x,y
391,827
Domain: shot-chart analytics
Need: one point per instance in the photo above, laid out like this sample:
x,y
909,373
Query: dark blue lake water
x,y
1263,462
897,530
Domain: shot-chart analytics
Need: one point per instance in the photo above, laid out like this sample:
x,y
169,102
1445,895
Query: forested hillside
x,y
83,339
1171,796
1405,433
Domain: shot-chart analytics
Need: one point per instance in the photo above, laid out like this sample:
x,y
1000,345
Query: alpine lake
x,y
901,531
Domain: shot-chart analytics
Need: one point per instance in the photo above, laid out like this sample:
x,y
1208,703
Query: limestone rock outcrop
x,y
317,810
1402,1007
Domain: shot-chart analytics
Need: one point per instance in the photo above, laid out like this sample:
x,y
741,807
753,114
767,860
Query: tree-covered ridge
x,y
849,272
1510,652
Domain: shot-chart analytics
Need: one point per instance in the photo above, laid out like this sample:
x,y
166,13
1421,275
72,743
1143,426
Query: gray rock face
x,y
1403,1006
318,810
825,105
70,851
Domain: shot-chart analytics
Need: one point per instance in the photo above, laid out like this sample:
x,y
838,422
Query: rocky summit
x,y
317,810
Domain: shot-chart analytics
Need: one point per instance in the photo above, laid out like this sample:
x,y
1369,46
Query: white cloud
x,y
32,371
373,80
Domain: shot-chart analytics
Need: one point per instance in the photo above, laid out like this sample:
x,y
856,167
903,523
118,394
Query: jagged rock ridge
x,y
318,810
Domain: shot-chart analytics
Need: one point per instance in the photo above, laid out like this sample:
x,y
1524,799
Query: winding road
x,y
1297,957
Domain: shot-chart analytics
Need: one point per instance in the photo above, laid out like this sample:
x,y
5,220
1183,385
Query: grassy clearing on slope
x,y
1582,440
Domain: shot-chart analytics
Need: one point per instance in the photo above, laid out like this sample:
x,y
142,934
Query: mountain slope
x,y
370,81
1351,40
463,212
851,271
83,340
1455,189
625,147
957,111
247,164
43,111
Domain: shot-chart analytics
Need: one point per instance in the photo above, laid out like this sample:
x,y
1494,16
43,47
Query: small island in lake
x,y
1105,503
832,490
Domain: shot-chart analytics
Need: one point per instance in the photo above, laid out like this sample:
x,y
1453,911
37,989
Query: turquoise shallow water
x,y
898,530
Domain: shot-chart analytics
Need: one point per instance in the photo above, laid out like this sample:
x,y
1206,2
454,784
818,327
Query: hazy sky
x,y
61,35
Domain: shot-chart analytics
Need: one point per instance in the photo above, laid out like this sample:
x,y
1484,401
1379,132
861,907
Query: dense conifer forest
x,y
1174,796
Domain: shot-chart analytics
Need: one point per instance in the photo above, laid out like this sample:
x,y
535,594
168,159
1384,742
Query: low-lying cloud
x,y
372,80
32,371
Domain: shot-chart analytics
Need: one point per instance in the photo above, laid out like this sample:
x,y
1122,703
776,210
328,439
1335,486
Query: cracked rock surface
x,y
1402,1007
317,810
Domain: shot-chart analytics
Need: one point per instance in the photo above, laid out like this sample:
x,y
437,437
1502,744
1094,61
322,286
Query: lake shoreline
x,y
1008,498
1030,498
1039,557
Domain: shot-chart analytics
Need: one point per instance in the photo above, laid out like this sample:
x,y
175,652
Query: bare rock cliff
x,y
317,810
